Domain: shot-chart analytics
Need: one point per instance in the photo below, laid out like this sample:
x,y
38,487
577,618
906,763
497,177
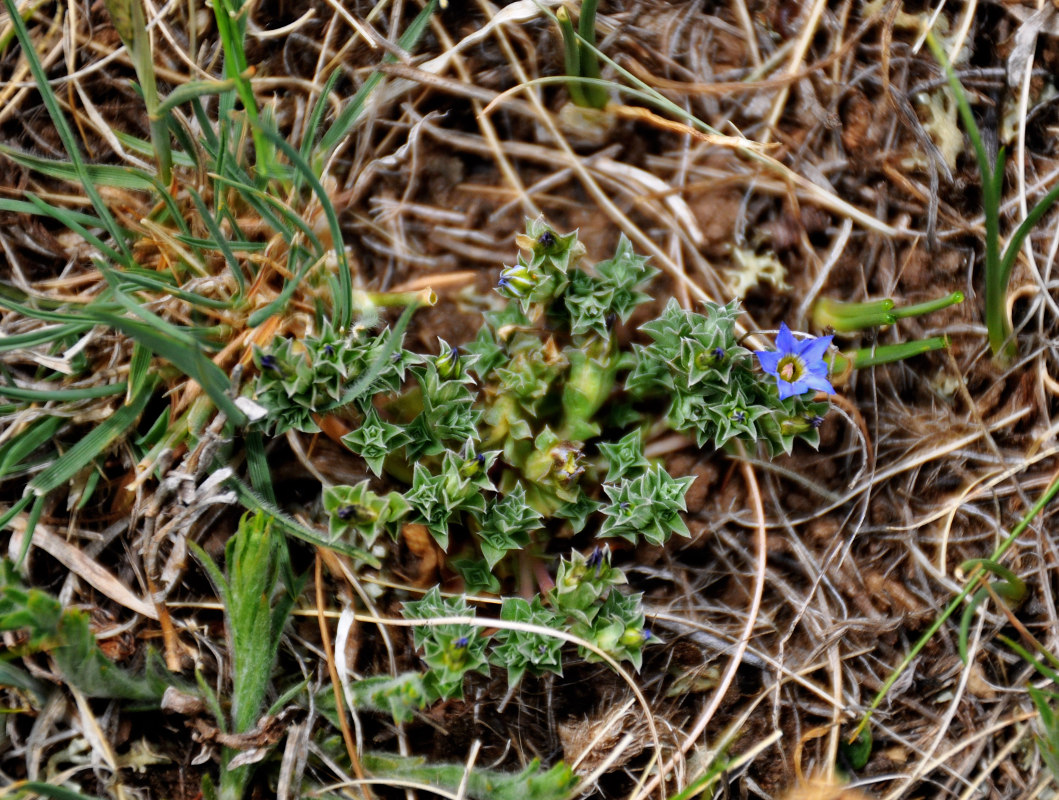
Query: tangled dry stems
x,y
809,577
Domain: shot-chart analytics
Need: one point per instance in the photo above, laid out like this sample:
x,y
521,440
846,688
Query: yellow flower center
x,y
790,368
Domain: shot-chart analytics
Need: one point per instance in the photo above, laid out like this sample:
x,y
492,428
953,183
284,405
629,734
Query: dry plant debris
x,y
830,162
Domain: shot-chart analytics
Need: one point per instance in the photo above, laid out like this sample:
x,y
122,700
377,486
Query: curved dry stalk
x,y
704,717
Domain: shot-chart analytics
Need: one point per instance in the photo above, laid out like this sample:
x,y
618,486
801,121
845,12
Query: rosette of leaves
x,y
521,651
448,406
458,486
594,302
616,626
717,392
540,275
582,581
506,526
357,511
298,380
450,651
647,506
375,439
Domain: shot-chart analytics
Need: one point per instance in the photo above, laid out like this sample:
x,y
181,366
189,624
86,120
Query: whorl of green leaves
x,y
717,390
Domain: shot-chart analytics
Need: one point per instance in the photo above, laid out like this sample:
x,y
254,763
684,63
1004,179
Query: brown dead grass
x,y
808,578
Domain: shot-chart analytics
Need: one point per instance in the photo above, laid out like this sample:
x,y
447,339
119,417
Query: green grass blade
x,y
178,347
26,443
72,222
962,106
184,353
193,90
142,147
257,466
129,21
254,502
571,57
1023,230
26,207
343,303
62,127
280,302
139,370
100,174
62,395
1045,498
313,123
349,115
96,442
53,333
262,203
219,240
231,25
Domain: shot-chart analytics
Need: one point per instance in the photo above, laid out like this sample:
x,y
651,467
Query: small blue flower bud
x,y
461,642
355,513
517,281
270,362
472,465
448,364
596,559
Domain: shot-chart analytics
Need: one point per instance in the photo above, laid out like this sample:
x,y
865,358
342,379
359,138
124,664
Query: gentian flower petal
x,y
812,350
817,383
769,360
785,341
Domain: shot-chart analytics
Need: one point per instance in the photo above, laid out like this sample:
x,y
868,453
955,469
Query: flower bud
x,y
516,281
448,363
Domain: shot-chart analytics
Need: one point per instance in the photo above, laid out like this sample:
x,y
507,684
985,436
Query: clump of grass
x,y
998,261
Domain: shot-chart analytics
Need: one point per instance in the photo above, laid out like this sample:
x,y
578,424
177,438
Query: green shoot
x,y
998,262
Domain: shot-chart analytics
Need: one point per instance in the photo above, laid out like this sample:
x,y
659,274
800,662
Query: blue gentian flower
x,y
797,366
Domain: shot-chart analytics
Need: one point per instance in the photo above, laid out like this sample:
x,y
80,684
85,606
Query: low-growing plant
x,y
532,432
65,634
258,590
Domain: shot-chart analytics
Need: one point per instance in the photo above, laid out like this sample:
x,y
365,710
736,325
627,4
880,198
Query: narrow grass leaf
x,y
69,220
110,175
254,502
52,333
139,371
96,442
219,241
194,90
26,207
349,115
280,301
142,147
257,466
18,448
62,395
263,203
312,125
40,77
176,346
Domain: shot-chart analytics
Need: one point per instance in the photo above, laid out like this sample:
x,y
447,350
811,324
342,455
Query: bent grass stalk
x,y
972,582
